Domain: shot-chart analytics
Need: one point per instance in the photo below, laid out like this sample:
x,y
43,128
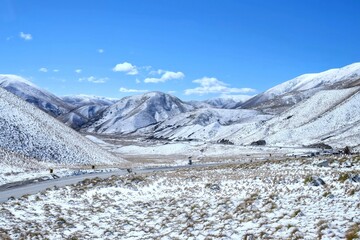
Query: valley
x,y
283,164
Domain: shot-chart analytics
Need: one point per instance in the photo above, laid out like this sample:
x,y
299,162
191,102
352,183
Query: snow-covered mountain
x,y
82,115
330,116
223,102
287,94
132,113
206,124
29,92
85,100
312,108
228,101
31,134
87,108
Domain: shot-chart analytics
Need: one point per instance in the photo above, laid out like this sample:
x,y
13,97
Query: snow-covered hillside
x,y
29,92
285,95
132,113
330,116
82,115
74,111
289,199
206,124
311,108
224,102
86,109
84,100
29,133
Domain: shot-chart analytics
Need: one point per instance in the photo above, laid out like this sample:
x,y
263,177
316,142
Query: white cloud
x,y
25,36
147,68
78,70
100,50
56,70
157,72
126,67
213,85
126,90
237,98
166,75
9,38
137,81
43,70
93,79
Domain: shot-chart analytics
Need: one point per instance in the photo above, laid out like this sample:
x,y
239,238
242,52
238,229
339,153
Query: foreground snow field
x,y
289,199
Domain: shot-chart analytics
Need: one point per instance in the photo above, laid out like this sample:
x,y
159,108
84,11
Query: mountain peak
x,y
302,87
6,79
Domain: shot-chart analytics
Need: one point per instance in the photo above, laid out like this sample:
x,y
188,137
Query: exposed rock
x,y
347,150
213,187
323,164
225,141
317,182
319,145
258,143
249,237
355,178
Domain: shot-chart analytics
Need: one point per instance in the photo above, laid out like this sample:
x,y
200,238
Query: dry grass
x,y
263,200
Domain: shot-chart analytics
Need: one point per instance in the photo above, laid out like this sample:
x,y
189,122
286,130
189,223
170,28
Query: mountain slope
x,y
132,113
330,116
30,133
29,92
206,124
86,109
224,102
287,94
86,100
228,102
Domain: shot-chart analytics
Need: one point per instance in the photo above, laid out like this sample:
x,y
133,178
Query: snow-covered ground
x,y
272,199
140,152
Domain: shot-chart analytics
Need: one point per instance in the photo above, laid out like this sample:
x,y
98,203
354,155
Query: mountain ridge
x,y
161,115
33,134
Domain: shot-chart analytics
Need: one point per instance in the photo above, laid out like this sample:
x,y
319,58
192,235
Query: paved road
x,y
35,187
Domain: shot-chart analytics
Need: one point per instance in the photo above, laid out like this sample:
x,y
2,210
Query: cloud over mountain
x,y
213,85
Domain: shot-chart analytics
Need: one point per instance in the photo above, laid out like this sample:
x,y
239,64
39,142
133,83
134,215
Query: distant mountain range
x,y
312,108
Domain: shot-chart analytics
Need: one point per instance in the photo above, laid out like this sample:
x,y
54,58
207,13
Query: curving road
x,y
30,187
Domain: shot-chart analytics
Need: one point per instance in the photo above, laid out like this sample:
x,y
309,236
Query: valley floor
x,y
289,199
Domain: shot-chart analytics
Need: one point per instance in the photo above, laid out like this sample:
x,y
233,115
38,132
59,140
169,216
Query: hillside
x,y
132,113
206,124
32,134
85,100
31,93
287,94
330,116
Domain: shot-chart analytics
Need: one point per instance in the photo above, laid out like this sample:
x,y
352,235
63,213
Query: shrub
x,y
343,177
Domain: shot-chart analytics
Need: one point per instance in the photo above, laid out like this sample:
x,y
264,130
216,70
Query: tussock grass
x,y
262,199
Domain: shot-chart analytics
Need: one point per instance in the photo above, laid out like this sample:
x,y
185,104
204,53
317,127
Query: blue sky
x,y
194,49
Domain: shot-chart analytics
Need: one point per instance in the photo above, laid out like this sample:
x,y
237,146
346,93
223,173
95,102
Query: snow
x,y
309,81
10,79
329,116
258,200
83,99
285,95
135,112
29,92
228,101
31,138
207,124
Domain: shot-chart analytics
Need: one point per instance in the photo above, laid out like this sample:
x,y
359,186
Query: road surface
x,y
28,187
